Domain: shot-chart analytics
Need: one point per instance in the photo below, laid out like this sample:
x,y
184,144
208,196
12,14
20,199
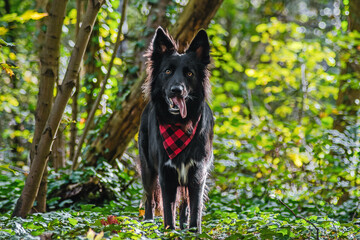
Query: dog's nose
x,y
177,89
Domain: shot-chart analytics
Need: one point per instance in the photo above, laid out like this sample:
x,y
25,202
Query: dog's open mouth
x,y
178,106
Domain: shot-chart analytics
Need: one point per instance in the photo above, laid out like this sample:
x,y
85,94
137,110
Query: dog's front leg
x,y
168,191
196,192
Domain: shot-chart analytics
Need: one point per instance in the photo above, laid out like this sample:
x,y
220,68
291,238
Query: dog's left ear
x,y
162,43
200,45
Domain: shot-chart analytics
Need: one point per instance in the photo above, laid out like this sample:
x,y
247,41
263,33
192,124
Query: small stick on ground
x,y
297,216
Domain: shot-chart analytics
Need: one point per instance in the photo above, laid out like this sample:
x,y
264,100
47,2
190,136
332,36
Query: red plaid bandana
x,y
175,139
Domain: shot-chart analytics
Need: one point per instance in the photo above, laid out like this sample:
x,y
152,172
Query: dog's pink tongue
x,y
180,102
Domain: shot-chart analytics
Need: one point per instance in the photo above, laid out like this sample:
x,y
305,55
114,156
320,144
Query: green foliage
x,y
108,183
258,221
10,189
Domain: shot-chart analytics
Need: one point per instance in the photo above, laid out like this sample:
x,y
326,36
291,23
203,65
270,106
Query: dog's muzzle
x,y
177,100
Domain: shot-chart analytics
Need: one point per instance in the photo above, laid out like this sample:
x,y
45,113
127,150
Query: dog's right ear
x,y
162,43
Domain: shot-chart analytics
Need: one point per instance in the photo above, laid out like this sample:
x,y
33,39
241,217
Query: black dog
x,y
176,131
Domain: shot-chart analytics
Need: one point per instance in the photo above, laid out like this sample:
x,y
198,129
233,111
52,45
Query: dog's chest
x,y
181,169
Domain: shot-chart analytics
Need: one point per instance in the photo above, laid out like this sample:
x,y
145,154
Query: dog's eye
x,y
189,74
168,71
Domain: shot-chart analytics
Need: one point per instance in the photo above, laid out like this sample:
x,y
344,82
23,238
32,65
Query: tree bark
x,y
26,200
196,15
58,153
91,114
92,68
347,96
74,115
41,6
49,65
303,91
42,194
123,124
49,68
74,105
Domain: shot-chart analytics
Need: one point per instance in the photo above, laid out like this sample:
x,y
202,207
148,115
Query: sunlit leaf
x,y
99,236
26,16
73,221
31,14
255,38
90,234
250,72
3,31
7,69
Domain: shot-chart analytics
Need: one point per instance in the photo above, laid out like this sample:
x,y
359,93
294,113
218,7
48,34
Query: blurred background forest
x,y
286,97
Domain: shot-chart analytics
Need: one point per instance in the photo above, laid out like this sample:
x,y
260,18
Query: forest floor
x,y
225,217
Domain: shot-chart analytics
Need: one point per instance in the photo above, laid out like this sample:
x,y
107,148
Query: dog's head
x,y
175,79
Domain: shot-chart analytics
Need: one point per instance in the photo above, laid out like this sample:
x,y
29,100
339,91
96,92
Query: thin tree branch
x,y
104,81
297,216
251,106
303,90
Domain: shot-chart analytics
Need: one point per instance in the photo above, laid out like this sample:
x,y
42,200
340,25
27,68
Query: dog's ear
x,y
162,43
200,45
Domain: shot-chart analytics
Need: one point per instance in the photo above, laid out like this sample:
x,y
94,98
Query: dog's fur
x,y
168,70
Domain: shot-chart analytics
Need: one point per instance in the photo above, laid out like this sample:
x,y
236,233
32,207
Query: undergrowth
x,y
225,217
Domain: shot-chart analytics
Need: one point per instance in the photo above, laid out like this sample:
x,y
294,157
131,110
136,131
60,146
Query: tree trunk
x,y
49,65
74,115
42,194
348,94
123,124
196,15
49,68
58,153
95,105
41,6
92,68
74,105
26,200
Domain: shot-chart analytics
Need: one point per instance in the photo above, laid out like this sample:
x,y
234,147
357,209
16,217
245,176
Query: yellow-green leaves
x,y
26,16
3,31
250,72
261,27
8,69
298,158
